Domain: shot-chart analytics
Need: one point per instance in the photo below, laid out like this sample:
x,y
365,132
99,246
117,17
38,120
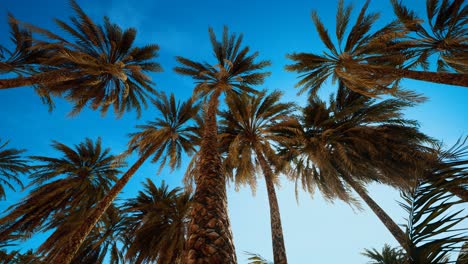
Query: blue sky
x,y
315,231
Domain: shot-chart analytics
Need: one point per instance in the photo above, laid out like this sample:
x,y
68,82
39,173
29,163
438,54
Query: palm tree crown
x,y
157,223
348,135
66,188
100,67
361,46
444,36
172,133
235,70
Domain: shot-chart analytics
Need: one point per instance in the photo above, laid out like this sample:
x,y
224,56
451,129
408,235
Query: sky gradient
x,y
314,230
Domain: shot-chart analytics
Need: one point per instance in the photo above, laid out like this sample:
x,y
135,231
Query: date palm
x,y
444,36
248,138
157,221
166,139
234,70
100,66
65,187
11,166
366,61
352,141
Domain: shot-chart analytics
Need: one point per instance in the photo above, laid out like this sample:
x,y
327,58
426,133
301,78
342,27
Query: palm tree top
x,y
360,46
171,132
249,122
444,35
234,68
106,68
87,160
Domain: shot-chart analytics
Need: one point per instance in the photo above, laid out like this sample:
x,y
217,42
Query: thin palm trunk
x,y
279,250
459,79
209,232
69,249
40,78
394,229
458,191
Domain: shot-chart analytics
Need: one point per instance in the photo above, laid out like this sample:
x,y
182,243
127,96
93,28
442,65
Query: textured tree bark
x,y
209,232
459,79
40,78
279,250
70,248
394,229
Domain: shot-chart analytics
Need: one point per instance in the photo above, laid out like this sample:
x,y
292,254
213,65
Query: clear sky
x,y
315,231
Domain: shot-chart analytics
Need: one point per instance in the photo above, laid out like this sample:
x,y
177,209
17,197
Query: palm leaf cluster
x,y
441,35
99,67
330,141
432,228
62,188
388,255
156,222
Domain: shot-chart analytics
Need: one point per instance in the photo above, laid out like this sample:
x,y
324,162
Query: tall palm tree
x,y
166,139
11,166
233,71
245,133
65,187
444,36
367,61
99,67
157,224
353,141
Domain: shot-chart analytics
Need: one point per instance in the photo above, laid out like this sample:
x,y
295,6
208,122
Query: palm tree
x,y
99,67
445,36
245,133
11,166
166,139
233,71
388,255
157,224
368,62
66,187
353,141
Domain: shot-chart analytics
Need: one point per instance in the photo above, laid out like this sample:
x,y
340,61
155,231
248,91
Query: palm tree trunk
x,y
457,190
40,78
386,220
69,249
279,250
209,232
459,79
